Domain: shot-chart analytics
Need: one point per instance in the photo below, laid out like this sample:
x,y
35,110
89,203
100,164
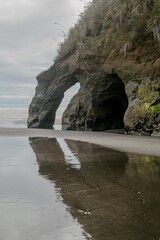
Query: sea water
x,y
16,117
13,116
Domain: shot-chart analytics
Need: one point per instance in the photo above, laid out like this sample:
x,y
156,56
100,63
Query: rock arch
x,y
49,94
100,103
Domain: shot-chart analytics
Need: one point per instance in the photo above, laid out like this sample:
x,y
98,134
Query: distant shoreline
x,y
125,143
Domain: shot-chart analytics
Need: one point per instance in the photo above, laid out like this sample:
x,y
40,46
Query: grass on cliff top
x,y
112,27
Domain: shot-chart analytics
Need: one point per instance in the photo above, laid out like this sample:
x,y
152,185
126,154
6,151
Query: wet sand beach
x,y
53,188
125,143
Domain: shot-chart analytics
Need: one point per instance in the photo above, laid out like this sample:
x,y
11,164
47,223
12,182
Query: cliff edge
x,y
114,53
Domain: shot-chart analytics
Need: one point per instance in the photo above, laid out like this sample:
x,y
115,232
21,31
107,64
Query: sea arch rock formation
x,y
49,93
100,103
99,52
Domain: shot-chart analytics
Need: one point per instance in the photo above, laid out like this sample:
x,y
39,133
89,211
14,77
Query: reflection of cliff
x,y
99,193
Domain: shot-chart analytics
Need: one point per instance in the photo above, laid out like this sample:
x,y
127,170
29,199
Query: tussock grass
x,y
108,24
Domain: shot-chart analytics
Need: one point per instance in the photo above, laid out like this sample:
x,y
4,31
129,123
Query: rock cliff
x,y
114,53
100,103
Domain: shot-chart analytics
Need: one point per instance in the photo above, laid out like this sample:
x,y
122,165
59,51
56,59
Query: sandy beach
x,y
53,187
124,143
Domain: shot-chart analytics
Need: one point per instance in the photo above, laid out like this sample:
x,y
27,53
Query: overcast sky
x,y
28,42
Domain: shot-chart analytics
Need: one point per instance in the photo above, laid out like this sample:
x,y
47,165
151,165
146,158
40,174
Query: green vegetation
x,y
146,107
149,96
113,24
148,165
156,108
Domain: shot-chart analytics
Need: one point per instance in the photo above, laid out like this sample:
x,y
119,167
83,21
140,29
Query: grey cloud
x,y
27,44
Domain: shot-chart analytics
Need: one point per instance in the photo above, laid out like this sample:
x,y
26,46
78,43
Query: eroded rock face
x,y
49,93
100,103
143,114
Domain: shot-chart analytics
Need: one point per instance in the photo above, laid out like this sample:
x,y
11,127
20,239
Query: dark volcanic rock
x,y
49,93
100,103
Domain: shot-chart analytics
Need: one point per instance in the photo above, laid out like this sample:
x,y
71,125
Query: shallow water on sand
x,y
69,190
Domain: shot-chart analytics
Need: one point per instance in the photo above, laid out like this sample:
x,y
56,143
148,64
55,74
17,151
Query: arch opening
x,y
68,95
110,115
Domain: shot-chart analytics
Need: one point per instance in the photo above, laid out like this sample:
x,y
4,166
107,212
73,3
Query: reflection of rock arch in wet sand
x,y
100,194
